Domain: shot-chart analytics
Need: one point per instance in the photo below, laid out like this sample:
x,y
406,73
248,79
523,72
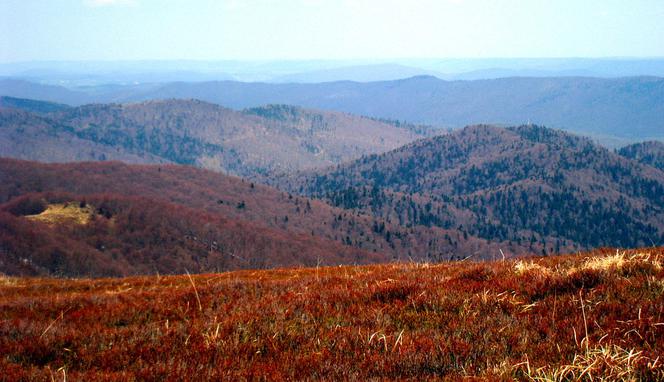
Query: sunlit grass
x,y
602,363
63,213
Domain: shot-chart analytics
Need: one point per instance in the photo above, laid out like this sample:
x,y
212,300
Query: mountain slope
x,y
249,143
526,184
218,198
115,235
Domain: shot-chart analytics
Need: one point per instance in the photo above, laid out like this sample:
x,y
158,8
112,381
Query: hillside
x,y
251,143
112,235
623,109
194,196
594,316
26,135
524,184
650,153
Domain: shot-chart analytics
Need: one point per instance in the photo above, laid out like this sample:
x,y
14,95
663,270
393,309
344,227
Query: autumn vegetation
x,y
590,316
61,234
144,219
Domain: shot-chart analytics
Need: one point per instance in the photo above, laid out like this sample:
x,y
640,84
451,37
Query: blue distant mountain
x,y
617,110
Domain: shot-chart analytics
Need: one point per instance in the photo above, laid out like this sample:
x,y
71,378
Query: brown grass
x,y
621,261
546,319
602,363
522,267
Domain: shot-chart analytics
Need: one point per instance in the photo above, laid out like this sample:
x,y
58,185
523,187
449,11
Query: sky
x,y
40,30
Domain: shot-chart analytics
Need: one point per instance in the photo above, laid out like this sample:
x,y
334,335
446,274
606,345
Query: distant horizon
x,y
98,72
313,59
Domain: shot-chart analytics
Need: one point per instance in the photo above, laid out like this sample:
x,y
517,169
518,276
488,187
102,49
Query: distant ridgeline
x,y
614,110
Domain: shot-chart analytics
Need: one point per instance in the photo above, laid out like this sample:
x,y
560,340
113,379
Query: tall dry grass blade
x,y
198,299
585,322
61,316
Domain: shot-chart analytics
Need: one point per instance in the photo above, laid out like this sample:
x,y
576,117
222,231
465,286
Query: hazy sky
x,y
327,29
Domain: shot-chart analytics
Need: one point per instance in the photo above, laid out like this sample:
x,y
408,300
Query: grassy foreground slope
x,y
595,315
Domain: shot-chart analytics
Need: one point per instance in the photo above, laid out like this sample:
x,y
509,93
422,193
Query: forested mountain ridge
x,y
248,143
525,184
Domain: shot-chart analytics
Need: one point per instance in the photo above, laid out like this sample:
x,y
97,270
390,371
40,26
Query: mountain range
x,y
613,110
93,73
341,188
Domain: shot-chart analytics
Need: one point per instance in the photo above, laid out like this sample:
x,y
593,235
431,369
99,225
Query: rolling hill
x,y
525,184
28,135
250,143
357,73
